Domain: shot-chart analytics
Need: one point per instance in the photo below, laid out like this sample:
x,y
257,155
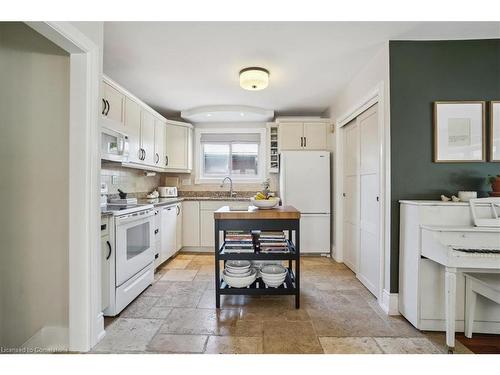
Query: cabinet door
x,y
133,129
207,238
190,224
315,135
190,149
159,155
105,271
168,232
178,233
115,102
290,135
148,137
177,141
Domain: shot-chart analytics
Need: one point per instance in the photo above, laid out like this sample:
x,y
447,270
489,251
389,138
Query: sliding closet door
x,y
369,250
351,194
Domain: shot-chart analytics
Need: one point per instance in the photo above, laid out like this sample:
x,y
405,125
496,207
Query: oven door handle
x,y
135,217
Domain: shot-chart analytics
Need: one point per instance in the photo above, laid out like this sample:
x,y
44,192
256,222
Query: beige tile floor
x,y
338,315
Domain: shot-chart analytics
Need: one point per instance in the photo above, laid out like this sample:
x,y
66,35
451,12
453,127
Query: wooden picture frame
x,y
459,131
494,154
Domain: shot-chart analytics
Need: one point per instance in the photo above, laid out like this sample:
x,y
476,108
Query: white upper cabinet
x,y
315,135
148,138
179,146
133,130
160,144
112,110
300,135
155,143
290,135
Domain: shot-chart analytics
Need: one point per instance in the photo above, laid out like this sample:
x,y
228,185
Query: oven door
x,y
134,244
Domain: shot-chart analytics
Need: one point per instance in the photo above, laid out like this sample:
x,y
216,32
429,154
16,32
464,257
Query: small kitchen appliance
x,y
167,191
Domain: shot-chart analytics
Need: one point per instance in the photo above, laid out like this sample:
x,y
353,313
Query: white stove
x,y
132,265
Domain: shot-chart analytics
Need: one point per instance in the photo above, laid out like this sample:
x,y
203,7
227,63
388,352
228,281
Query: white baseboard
x,y
389,303
49,338
100,327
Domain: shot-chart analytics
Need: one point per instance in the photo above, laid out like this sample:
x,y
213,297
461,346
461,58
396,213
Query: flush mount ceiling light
x,y
254,79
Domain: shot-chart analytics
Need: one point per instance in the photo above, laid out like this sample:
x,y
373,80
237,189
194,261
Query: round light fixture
x,y
254,79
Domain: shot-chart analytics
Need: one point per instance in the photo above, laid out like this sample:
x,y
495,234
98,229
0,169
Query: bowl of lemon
x,y
264,199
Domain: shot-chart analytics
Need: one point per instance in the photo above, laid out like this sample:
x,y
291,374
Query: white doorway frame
x,y
375,96
85,322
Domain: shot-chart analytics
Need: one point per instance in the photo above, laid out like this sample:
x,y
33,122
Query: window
x,y
230,154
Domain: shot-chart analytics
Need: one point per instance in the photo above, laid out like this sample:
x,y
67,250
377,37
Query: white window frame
x,y
198,165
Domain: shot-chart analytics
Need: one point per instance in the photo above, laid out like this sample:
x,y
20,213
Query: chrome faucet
x,y
231,192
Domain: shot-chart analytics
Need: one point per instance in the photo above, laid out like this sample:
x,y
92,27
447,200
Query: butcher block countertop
x,y
278,213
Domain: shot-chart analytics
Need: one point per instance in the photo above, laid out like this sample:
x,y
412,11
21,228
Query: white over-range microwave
x,y
114,145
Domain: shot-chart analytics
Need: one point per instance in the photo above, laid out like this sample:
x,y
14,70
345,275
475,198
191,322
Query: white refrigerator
x,y
305,185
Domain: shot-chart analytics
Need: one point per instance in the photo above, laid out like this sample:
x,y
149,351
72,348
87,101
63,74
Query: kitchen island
x,y
282,218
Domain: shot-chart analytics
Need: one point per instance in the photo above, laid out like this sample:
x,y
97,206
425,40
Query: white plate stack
x,y
238,273
273,275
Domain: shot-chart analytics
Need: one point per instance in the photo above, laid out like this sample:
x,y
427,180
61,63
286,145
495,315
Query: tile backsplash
x,y
134,181
127,179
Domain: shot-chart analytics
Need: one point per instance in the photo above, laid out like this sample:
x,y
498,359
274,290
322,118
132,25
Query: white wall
x,y
34,189
365,82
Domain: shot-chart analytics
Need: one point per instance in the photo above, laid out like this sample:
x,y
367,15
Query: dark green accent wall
x,y
420,73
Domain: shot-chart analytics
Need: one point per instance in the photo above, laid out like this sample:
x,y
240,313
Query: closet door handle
x,y
109,250
109,106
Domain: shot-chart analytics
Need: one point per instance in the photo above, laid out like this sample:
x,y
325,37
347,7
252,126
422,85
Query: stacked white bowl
x,y
239,273
273,275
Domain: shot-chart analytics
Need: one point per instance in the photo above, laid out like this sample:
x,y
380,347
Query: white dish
x,y
273,270
265,204
241,274
274,284
239,282
237,271
238,263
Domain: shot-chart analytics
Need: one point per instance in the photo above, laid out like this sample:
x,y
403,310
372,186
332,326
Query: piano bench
x,y
485,284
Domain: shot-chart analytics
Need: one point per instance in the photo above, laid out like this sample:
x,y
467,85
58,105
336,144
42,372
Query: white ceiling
x,y
175,66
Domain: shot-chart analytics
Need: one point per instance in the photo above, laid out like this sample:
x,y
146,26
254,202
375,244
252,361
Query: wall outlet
x,y
186,181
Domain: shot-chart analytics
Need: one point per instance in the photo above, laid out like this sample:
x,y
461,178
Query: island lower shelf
x,y
258,287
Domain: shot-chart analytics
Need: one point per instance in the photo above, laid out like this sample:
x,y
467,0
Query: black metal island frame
x,y
283,218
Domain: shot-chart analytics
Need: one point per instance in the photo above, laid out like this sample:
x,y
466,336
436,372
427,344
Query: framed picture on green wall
x,y
495,131
459,131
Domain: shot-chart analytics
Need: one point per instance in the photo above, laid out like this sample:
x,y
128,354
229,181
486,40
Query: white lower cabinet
x,y
207,209
168,232
106,249
178,227
190,224
207,228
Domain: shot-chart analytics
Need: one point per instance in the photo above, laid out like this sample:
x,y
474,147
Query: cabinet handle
x,y
109,107
166,159
104,106
156,231
305,141
178,210
301,141
143,153
157,158
109,250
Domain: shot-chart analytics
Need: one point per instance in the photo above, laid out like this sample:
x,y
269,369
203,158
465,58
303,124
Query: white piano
x,y
438,242
460,249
